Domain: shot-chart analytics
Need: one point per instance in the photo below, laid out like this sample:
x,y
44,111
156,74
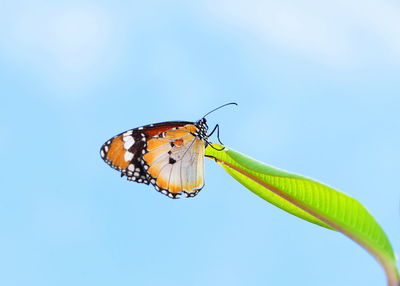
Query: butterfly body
x,y
168,155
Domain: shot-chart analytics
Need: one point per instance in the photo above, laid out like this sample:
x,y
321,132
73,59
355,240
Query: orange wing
x,y
176,161
124,153
169,155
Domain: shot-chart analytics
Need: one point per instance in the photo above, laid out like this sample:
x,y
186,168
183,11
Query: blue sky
x,y
318,90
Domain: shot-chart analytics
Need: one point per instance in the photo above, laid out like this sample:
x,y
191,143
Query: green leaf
x,y
311,201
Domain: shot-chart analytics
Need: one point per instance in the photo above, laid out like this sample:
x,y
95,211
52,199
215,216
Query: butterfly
x,y
168,155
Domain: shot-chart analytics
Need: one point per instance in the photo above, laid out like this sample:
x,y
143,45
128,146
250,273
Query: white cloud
x,y
380,18
336,33
69,44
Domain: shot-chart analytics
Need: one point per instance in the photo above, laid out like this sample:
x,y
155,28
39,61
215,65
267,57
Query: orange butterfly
x,y
168,155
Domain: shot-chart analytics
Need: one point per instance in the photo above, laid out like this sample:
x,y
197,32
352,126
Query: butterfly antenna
x,y
230,103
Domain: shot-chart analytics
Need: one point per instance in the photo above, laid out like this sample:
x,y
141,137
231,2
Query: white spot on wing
x,y
127,138
129,141
128,156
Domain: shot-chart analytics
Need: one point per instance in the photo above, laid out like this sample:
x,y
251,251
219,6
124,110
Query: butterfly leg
x,y
212,157
216,128
212,132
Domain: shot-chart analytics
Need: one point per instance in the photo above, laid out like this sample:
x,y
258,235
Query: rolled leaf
x,y
311,201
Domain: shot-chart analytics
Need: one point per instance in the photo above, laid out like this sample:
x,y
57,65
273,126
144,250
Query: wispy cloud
x,y
68,43
337,33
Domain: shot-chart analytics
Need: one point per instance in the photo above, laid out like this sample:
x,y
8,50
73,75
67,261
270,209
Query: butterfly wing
x,y
123,152
176,161
169,155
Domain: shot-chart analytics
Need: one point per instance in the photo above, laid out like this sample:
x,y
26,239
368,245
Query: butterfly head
x,y
203,127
